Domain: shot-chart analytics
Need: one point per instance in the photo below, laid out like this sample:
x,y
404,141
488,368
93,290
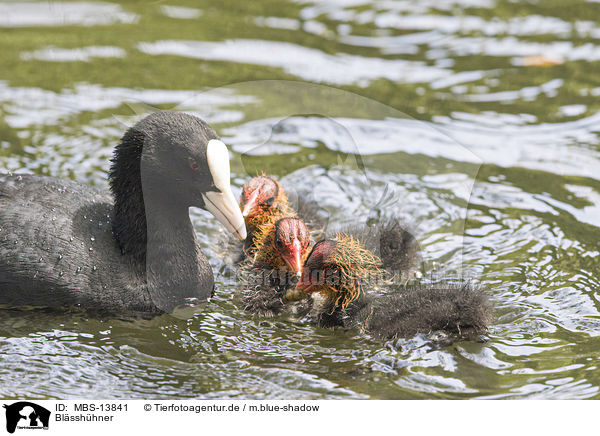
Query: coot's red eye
x,y
195,166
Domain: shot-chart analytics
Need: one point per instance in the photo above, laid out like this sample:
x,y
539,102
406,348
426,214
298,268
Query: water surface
x,y
476,121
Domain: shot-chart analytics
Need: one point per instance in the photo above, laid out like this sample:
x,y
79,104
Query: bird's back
x,y
57,247
458,308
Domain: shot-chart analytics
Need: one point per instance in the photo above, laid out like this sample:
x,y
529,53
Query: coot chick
x,y
281,249
339,270
262,195
263,201
63,243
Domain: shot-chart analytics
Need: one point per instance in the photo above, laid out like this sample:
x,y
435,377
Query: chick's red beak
x,y
293,258
251,204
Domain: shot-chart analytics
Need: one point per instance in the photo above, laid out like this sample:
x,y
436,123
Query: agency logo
x,y
26,415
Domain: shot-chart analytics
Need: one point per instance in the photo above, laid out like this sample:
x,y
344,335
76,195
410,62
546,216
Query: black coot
x,y
63,243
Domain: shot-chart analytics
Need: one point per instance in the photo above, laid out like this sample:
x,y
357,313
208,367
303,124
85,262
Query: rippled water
x,y
474,120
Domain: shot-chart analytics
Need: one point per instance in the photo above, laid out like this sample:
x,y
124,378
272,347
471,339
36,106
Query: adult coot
x,y
63,243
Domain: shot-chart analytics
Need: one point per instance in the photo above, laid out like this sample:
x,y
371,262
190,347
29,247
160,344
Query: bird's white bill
x,y
224,208
222,204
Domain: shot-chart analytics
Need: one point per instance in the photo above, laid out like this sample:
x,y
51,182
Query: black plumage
x,y
458,308
63,243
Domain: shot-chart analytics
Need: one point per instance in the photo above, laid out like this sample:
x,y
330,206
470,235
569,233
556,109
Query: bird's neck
x,y
143,220
342,287
331,312
158,236
177,271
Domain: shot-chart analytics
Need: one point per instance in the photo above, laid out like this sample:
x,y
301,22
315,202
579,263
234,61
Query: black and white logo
x,y
26,415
